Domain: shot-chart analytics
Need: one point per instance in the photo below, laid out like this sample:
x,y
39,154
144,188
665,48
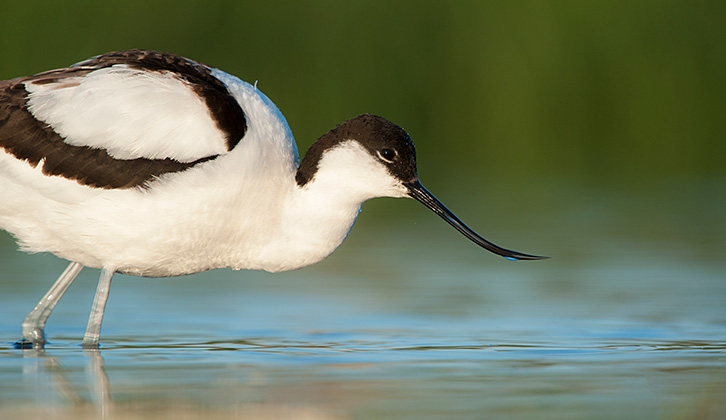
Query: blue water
x,y
406,320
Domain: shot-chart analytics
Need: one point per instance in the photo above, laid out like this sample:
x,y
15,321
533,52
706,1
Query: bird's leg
x,y
34,323
93,330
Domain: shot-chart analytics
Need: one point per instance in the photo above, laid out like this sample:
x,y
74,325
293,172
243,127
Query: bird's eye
x,y
387,154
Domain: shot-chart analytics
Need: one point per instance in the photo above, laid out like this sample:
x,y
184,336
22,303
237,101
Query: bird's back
x,y
143,161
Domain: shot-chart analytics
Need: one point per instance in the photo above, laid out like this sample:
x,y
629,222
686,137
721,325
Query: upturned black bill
x,y
422,195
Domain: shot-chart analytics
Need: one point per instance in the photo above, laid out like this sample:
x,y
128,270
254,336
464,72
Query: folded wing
x,y
119,120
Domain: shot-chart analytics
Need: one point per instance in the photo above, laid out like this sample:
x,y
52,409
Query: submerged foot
x,y
33,336
90,345
25,344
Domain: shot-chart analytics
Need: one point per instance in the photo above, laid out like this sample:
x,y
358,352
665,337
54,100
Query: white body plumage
x,y
242,210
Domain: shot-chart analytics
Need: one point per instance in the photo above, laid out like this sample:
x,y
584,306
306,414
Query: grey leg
x,y
93,330
34,323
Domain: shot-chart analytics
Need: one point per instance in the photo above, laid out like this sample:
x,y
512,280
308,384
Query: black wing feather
x,y
34,141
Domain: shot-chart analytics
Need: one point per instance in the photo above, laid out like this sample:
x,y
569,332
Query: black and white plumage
x,y
151,164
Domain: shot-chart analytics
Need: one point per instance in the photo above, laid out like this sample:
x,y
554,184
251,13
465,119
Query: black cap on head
x,y
382,138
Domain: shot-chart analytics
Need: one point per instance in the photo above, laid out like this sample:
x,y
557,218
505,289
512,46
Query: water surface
x,y
406,320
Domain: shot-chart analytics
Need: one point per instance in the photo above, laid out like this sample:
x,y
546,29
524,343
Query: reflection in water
x,y
402,375
98,381
46,369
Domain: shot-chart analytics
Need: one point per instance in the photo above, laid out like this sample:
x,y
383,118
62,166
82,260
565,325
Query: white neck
x,y
317,217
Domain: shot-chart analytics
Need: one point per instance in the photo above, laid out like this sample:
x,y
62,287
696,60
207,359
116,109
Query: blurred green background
x,y
589,131
570,114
